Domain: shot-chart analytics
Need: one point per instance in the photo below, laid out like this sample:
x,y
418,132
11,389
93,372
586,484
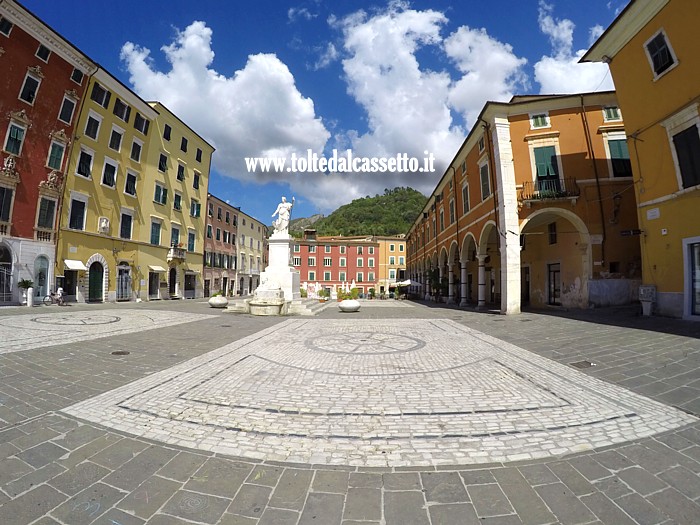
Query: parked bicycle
x,y
55,297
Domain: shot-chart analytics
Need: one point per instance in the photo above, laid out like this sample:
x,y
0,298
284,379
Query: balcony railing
x,y
43,235
548,190
4,228
175,253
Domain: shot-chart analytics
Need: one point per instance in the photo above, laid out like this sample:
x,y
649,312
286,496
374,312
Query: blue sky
x,y
274,78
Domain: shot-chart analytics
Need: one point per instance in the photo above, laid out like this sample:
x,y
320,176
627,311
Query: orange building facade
x,y
536,208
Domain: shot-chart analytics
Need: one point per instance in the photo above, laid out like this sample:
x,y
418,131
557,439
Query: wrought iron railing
x,y
550,189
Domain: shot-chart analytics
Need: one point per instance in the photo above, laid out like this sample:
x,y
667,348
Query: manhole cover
x,y
121,352
225,326
582,364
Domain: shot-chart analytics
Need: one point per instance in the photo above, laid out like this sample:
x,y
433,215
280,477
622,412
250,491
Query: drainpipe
x,y
589,146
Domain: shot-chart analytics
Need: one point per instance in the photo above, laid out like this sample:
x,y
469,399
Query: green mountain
x,y
388,214
297,226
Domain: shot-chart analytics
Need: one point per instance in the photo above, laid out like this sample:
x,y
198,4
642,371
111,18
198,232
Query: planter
x,y
218,301
349,305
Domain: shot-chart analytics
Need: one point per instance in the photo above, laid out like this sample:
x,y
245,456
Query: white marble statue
x,y
283,212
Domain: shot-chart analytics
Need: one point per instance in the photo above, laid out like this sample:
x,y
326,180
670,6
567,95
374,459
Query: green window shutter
x,y
165,196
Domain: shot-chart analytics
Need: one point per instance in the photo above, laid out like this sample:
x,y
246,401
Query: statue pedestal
x,y
280,274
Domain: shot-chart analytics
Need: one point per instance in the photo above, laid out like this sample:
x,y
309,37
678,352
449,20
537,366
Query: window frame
x,y
121,110
615,136
139,143
84,199
482,165
130,213
109,162
116,130
90,153
97,118
671,52
679,123
50,154
163,194
71,100
8,25
105,98
163,161
533,116
130,173
141,126
155,221
36,79
53,214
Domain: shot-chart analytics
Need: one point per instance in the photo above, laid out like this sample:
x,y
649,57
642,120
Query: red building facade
x,y
331,263
41,87
220,254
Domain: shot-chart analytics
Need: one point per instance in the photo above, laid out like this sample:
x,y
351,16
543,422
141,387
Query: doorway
x,y
525,286
554,289
123,282
172,281
153,285
96,283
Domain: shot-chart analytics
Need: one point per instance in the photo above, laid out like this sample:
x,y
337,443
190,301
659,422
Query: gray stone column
x,y
451,285
482,281
463,283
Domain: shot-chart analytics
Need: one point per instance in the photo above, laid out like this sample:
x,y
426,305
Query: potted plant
x,y
25,285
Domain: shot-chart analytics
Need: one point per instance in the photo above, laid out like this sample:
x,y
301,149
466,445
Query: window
x,y
687,146
227,219
360,262
552,232
174,235
485,183
190,241
29,89
183,144
195,208
452,211
402,261
219,216
547,169
359,250
370,262
482,145
465,198
121,110
343,262
341,276
163,163
312,248
659,52
100,95
311,261
155,232
43,53
611,113
84,167
312,276
76,214
620,158
15,138
392,247
92,128
109,174
539,120
326,276
177,201
161,194
5,26
77,76
360,277
47,212
125,224
401,247
210,210
464,166
227,237
167,130
434,229
115,139
141,124
130,185
218,234
296,261
67,109
198,156
343,249
297,248
136,148
442,220
55,160
180,172
392,274
233,238
392,260
370,276
195,181
327,261
209,231
5,203
370,250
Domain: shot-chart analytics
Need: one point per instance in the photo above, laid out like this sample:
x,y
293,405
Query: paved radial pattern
x,y
62,326
378,393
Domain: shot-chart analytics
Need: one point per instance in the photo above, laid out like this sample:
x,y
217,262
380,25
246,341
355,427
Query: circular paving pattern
x,y
77,320
364,343
363,392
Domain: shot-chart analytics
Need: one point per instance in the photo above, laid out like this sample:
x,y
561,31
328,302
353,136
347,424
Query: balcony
x,y
43,234
176,254
5,228
550,190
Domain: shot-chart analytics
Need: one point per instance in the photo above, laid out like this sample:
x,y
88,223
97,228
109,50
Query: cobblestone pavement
x,y
69,455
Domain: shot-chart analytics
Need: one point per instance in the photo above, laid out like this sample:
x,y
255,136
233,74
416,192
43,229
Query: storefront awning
x,y
72,264
157,269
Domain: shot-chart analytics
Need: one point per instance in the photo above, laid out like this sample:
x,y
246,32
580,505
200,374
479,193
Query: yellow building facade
x,y
101,220
174,200
392,261
652,52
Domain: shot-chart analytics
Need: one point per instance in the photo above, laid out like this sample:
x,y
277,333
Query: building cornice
x,y
41,32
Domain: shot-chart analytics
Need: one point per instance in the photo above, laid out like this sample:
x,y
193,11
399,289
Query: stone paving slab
x,y
417,392
43,329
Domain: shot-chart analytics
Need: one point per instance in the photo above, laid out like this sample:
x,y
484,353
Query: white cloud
x,y
328,55
593,34
560,72
295,13
257,111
